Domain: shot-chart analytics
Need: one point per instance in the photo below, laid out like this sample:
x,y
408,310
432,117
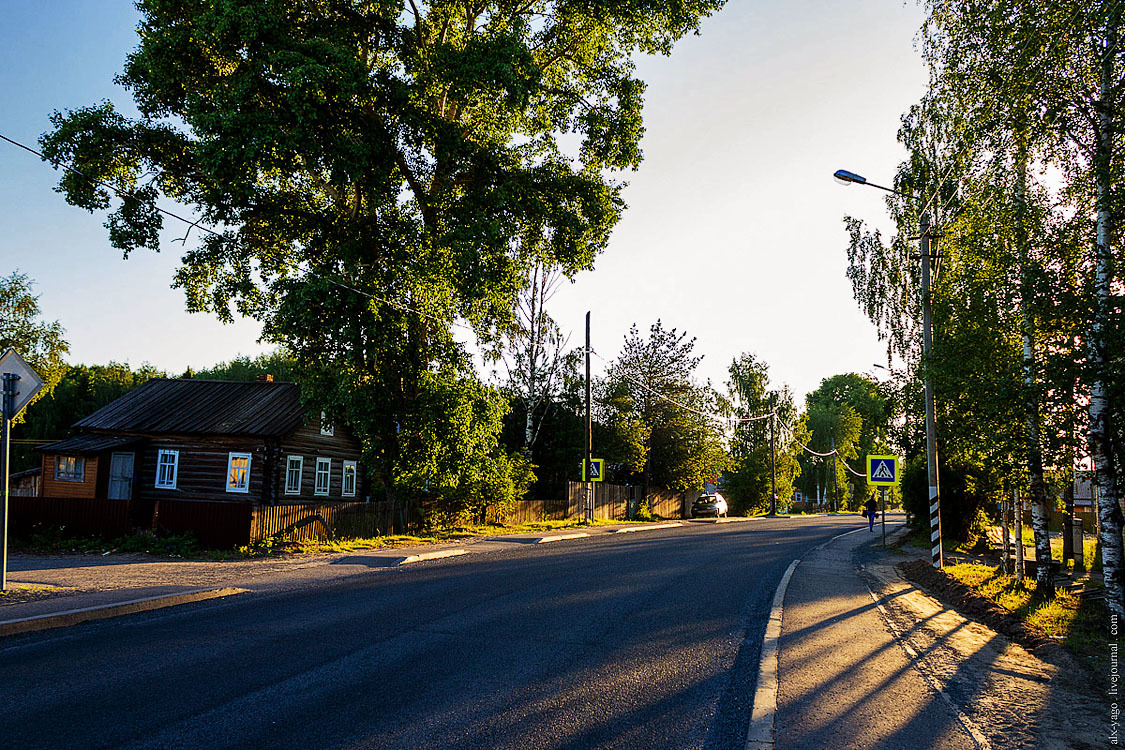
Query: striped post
x,y
935,527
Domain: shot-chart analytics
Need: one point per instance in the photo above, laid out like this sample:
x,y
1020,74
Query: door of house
x,y
121,476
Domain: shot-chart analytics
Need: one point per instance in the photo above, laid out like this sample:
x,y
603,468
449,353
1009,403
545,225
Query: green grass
x,y
1076,623
276,545
55,541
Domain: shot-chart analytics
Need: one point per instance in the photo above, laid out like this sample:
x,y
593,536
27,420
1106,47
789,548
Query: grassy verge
x,y
275,545
1076,623
54,541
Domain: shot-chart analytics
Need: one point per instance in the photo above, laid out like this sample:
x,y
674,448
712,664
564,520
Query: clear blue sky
x,y
733,231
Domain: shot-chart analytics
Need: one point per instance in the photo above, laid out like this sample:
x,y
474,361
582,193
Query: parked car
x,y
709,505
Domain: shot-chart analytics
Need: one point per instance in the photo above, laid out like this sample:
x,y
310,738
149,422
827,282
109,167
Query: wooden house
x,y
204,440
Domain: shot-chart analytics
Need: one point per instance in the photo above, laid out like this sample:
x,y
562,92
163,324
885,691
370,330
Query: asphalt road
x,y
645,640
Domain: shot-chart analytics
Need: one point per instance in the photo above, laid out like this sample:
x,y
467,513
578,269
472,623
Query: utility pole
x,y
835,490
931,429
587,485
773,456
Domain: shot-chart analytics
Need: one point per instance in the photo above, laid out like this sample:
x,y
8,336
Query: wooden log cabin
x,y
204,440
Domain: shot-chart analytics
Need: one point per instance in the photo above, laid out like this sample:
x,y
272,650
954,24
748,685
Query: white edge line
x,y
432,556
915,660
764,714
559,538
646,528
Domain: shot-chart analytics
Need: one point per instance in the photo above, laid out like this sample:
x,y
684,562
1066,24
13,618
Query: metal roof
x,y
85,444
202,407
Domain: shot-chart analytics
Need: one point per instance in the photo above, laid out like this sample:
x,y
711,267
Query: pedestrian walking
x,y
872,509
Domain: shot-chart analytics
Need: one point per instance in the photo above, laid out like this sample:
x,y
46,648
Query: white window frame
x,y
345,476
326,473
79,473
300,461
326,427
233,485
160,454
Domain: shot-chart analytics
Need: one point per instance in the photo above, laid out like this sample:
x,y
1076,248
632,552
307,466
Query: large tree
x,y
756,409
666,428
377,173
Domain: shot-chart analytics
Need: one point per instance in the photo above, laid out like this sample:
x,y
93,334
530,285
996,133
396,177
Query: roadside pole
x,y
883,517
1006,538
10,381
773,457
588,487
1017,504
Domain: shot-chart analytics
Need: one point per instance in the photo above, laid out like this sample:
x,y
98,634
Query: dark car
x,y
709,505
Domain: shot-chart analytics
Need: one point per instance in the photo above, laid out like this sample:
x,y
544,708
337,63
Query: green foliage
x,y
748,480
40,343
278,363
853,414
56,540
661,429
380,175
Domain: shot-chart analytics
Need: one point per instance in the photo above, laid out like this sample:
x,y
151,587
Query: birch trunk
x,y
1044,583
1105,473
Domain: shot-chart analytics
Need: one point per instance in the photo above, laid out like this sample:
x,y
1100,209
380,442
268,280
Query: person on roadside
x,y
872,508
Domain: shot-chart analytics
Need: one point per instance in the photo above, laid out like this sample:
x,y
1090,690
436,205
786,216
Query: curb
x,y
653,527
106,611
432,556
763,715
544,540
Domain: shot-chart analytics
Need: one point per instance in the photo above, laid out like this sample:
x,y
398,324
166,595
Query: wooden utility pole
x,y
588,486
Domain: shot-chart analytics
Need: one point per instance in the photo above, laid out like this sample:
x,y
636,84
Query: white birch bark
x,y
1105,472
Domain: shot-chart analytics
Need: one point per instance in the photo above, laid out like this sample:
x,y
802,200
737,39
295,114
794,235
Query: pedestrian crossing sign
x,y
594,470
882,470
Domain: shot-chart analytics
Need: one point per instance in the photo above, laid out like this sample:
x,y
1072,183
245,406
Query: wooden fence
x,y
619,503
530,511
325,520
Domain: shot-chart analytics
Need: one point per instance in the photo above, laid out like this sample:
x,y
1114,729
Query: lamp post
x,y
847,177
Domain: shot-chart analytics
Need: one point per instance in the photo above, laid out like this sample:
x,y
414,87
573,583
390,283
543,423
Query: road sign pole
x,y
10,382
883,492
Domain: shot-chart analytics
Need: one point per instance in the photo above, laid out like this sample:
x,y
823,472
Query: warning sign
x,y
882,470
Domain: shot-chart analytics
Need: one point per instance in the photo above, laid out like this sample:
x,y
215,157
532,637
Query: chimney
x,y
267,378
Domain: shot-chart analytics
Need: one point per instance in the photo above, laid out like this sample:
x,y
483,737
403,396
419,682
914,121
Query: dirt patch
x,y
976,606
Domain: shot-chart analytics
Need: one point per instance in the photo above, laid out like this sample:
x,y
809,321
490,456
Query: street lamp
x,y
847,177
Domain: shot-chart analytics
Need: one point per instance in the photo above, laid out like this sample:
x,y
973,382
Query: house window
x,y
325,425
70,468
323,472
167,463
293,475
238,472
349,479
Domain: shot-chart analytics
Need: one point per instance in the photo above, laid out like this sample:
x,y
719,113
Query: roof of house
x,y
84,445
202,407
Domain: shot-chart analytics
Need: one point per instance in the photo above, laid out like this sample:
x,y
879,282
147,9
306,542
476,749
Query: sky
x,y
733,232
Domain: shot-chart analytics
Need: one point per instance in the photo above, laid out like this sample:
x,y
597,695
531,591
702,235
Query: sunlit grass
x,y
276,545
1076,623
